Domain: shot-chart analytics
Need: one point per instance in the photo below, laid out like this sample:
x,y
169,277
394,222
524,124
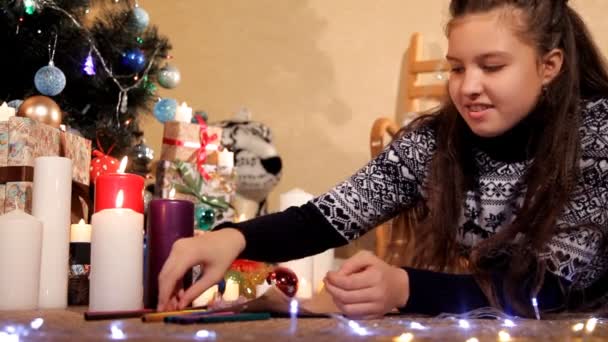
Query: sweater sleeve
x,y
390,183
386,185
433,293
291,234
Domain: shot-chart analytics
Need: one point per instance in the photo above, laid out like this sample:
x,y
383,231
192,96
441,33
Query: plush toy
x,y
257,163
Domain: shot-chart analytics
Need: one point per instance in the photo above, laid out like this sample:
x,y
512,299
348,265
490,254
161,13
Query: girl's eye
x,y
457,70
492,68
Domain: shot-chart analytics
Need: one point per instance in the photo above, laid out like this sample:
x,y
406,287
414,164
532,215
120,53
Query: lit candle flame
x,y
81,222
172,193
120,198
123,164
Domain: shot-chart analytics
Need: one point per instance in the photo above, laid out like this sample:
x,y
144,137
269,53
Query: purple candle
x,y
168,221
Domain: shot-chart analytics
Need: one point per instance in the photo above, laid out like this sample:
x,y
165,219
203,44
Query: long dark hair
x,y
554,150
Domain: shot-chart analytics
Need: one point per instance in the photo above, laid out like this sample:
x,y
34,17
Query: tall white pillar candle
x,y
51,203
20,245
303,268
294,197
116,280
321,264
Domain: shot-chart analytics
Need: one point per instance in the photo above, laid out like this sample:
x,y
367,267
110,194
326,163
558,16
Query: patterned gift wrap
x,y
21,141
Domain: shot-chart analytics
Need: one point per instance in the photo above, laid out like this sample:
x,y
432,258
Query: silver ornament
x,y
142,153
169,77
140,19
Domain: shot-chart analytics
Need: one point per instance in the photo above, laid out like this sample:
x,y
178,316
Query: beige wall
x,y
316,71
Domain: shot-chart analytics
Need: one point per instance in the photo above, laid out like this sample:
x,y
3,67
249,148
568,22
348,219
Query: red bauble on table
x,y
285,280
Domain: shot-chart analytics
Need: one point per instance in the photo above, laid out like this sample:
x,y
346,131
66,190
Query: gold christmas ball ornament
x,y
41,109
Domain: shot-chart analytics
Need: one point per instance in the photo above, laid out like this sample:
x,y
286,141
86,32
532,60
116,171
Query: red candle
x,y
108,185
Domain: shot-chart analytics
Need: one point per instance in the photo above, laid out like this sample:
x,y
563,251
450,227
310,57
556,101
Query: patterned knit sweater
x,y
393,181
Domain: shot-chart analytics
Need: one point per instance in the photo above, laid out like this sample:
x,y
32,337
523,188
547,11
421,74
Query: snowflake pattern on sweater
x,y
394,181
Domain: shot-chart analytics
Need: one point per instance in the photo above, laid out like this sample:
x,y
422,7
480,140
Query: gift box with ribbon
x,y
191,143
189,158
21,141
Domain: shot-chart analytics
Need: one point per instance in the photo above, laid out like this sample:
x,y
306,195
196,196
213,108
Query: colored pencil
x,y
159,316
216,318
100,315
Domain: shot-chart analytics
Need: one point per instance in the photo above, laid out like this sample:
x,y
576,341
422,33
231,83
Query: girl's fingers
x,y
357,262
170,276
365,295
354,281
209,278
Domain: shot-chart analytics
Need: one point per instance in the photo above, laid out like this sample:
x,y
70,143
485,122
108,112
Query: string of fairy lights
x,y
480,325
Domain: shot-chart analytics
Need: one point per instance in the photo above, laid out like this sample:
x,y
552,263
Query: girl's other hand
x,y
367,287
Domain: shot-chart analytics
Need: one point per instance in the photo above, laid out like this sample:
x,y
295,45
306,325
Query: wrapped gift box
x,y
167,176
21,141
182,141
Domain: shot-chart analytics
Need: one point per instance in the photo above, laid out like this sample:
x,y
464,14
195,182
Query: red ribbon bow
x,y
205,139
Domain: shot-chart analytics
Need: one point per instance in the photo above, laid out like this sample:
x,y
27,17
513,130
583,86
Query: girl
x,y
511,173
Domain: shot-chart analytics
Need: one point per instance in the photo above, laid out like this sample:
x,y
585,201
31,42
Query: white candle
x,y
231,292
303,269
80,232
206,297
322,263
294,197
20,246
6,112
261,289
304,288
51,201
183,113
116,280
225,160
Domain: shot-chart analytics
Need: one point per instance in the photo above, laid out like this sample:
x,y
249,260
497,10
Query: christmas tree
x,y
109,54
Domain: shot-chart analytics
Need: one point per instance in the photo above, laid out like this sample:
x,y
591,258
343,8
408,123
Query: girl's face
x,y
496,78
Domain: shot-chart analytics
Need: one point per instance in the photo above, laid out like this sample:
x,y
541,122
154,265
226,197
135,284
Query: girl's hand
x,y
214,251
367,287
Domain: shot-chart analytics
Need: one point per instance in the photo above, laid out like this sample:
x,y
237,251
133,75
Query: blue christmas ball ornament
x,y
140,19
164,110
15,104
133,60
49,80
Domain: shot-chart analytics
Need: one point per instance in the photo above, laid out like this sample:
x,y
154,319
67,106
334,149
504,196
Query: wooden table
x,y
69,325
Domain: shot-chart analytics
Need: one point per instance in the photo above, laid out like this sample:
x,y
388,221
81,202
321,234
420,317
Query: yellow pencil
x,y
159,316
